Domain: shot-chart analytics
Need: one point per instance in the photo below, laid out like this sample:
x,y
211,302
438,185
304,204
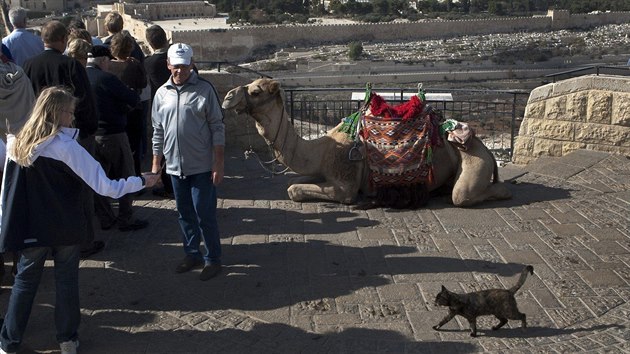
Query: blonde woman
x,y
78,49
46,176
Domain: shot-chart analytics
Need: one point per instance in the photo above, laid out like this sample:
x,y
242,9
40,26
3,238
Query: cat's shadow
x,y
536,332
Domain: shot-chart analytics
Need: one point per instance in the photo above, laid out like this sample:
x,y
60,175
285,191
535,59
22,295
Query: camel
x,y
328,173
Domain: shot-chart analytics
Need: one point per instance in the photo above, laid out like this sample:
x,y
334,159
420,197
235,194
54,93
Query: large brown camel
x,y
330,174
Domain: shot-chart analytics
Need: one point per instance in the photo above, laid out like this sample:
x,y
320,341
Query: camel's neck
x,y
290,149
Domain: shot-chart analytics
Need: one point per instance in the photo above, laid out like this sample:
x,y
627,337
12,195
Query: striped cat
x,y
498,302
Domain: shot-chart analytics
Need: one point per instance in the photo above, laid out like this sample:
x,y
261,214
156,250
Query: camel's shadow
x,y
525,193
247,179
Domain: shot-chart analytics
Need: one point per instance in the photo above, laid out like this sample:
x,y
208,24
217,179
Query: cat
x,y
498,302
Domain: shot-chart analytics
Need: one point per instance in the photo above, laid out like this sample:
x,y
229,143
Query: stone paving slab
x,y
325,278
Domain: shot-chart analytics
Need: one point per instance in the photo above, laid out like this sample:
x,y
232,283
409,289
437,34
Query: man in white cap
x,y
188,130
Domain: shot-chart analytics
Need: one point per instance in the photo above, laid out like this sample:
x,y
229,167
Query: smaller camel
x,y
329,173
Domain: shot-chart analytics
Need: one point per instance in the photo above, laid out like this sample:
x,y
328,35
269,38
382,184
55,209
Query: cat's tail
x,y
521,280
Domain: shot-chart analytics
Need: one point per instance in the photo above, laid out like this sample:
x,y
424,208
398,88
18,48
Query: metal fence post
x,y
291,106
513,125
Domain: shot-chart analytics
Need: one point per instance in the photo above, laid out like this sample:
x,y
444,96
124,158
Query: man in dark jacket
x,y
113,100
155,64
52,68
157,74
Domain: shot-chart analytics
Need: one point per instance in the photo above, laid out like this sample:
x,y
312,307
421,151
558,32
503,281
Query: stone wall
x,y
240,129
168,10
239,44
588,112
43,5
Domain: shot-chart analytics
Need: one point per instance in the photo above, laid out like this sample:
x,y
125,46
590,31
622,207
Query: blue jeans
x,y
29,272
196,200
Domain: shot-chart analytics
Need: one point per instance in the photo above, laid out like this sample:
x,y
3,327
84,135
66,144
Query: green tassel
x,y
350,123
429,155
447,126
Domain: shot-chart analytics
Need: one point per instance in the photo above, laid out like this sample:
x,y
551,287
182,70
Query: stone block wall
x,y
588,112
240,129
168,10
240,44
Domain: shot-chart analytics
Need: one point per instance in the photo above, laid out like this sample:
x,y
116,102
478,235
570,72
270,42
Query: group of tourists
x,y
75,111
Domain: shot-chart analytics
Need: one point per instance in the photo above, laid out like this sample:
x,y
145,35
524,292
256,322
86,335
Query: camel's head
x,y
250,98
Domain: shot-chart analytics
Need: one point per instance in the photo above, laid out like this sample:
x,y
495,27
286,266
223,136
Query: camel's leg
x,y
321,191
473,180
305,180
464,197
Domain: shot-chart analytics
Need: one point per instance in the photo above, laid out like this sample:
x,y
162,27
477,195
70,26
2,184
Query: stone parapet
x,y
588,112
240,129
243,43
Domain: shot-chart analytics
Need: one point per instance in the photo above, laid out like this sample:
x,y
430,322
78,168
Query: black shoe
x,y
94,248
109,225
132,225
210,271
188,263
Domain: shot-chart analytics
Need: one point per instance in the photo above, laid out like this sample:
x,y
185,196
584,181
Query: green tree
x,y
317,8
431,6
496,7
477,6
355,49
336,7
358,8
465,6
399,7
381,6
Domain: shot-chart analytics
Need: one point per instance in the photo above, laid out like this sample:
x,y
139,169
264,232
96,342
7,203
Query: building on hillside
x,y
149,10
154,10
43,5
138,16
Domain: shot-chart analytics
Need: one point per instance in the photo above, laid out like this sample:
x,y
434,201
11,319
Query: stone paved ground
x,y
322,277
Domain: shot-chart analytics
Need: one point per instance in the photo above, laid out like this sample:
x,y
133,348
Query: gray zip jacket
x,y
187,124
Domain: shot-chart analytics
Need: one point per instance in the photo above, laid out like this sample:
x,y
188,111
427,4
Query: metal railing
x,y
494,115
591,69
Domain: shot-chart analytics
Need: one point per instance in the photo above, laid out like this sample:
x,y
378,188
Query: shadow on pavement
x,y
256,221
523,193
542,332
261,277
430,264
254,337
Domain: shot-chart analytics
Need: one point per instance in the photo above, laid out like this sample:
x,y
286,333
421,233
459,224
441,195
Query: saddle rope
x,y
250,153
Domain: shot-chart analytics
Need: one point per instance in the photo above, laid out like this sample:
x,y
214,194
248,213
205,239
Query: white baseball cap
x,y
180,54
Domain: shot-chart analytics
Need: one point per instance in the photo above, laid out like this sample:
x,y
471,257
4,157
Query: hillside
x,y
561,50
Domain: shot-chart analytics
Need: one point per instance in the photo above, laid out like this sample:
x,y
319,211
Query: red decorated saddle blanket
x,y
399,141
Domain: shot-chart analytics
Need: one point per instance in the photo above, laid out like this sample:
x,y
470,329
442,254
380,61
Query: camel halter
x,y
249,107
